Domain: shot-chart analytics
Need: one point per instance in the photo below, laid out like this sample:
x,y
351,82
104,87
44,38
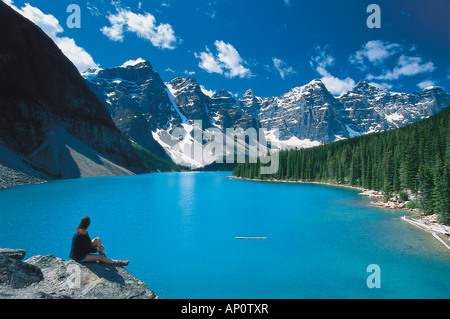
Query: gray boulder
x,y
49,277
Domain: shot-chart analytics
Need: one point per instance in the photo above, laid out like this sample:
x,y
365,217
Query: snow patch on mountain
x,y
291,143
181,149
170,91
394,117
133,63
91,73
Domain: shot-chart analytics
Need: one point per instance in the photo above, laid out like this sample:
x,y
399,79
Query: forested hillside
x,y
416,158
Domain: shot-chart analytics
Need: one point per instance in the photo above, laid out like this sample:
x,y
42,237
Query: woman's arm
x,y
87,244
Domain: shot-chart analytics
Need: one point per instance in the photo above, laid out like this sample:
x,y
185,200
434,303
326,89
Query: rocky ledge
x,y
49,277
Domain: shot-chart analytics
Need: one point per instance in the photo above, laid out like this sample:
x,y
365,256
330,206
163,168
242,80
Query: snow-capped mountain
x,y
137,100
150,111
371,109
306,112
153,113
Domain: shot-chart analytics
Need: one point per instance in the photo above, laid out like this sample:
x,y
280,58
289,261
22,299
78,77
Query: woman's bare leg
x,y
97,243
101,258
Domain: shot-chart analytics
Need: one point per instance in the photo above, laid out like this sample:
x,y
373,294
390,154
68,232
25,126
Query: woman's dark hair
x,y
84,224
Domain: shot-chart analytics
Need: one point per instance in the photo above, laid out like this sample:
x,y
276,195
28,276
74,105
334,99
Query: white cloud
x,y
335,85
76,54
231,60
322,60
227,61
143,25
375,51
284,69
427,83
50,25
406,66
207,92
390,60
208,62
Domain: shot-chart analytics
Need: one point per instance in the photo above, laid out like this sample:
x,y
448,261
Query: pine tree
x,y
425,188
440,194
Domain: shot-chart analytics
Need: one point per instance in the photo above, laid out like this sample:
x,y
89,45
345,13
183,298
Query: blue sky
x,y
269,46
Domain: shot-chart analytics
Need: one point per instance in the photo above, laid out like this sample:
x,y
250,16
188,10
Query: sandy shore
x,y
298,182
429,224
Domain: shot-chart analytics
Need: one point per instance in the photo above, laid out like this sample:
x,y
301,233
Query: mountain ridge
x,y
304,116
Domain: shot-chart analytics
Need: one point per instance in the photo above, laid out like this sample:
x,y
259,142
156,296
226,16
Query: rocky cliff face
x,y
306,112
250,103
371,109
42,92
48,277
190,99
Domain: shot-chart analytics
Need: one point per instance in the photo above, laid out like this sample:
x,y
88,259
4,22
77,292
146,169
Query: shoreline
x,y
428,224
298,182
438,231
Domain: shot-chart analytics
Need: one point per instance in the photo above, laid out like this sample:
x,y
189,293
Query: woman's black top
x,y
81,246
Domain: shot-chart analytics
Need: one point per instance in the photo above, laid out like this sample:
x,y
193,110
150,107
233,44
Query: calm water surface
x,y
179,229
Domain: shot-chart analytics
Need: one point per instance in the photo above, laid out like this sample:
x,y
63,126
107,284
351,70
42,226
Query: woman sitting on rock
x,y
83,248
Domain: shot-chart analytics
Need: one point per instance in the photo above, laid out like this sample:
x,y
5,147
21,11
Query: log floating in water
x,y
251,237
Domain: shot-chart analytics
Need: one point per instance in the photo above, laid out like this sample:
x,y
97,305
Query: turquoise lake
x,y
178,231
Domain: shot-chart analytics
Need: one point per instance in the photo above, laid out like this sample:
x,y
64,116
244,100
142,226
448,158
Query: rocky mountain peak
x,y
136,63
190,98
91,72
249,94
315,84
187,90
222,99
180,82
366,89
138,71
223,94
